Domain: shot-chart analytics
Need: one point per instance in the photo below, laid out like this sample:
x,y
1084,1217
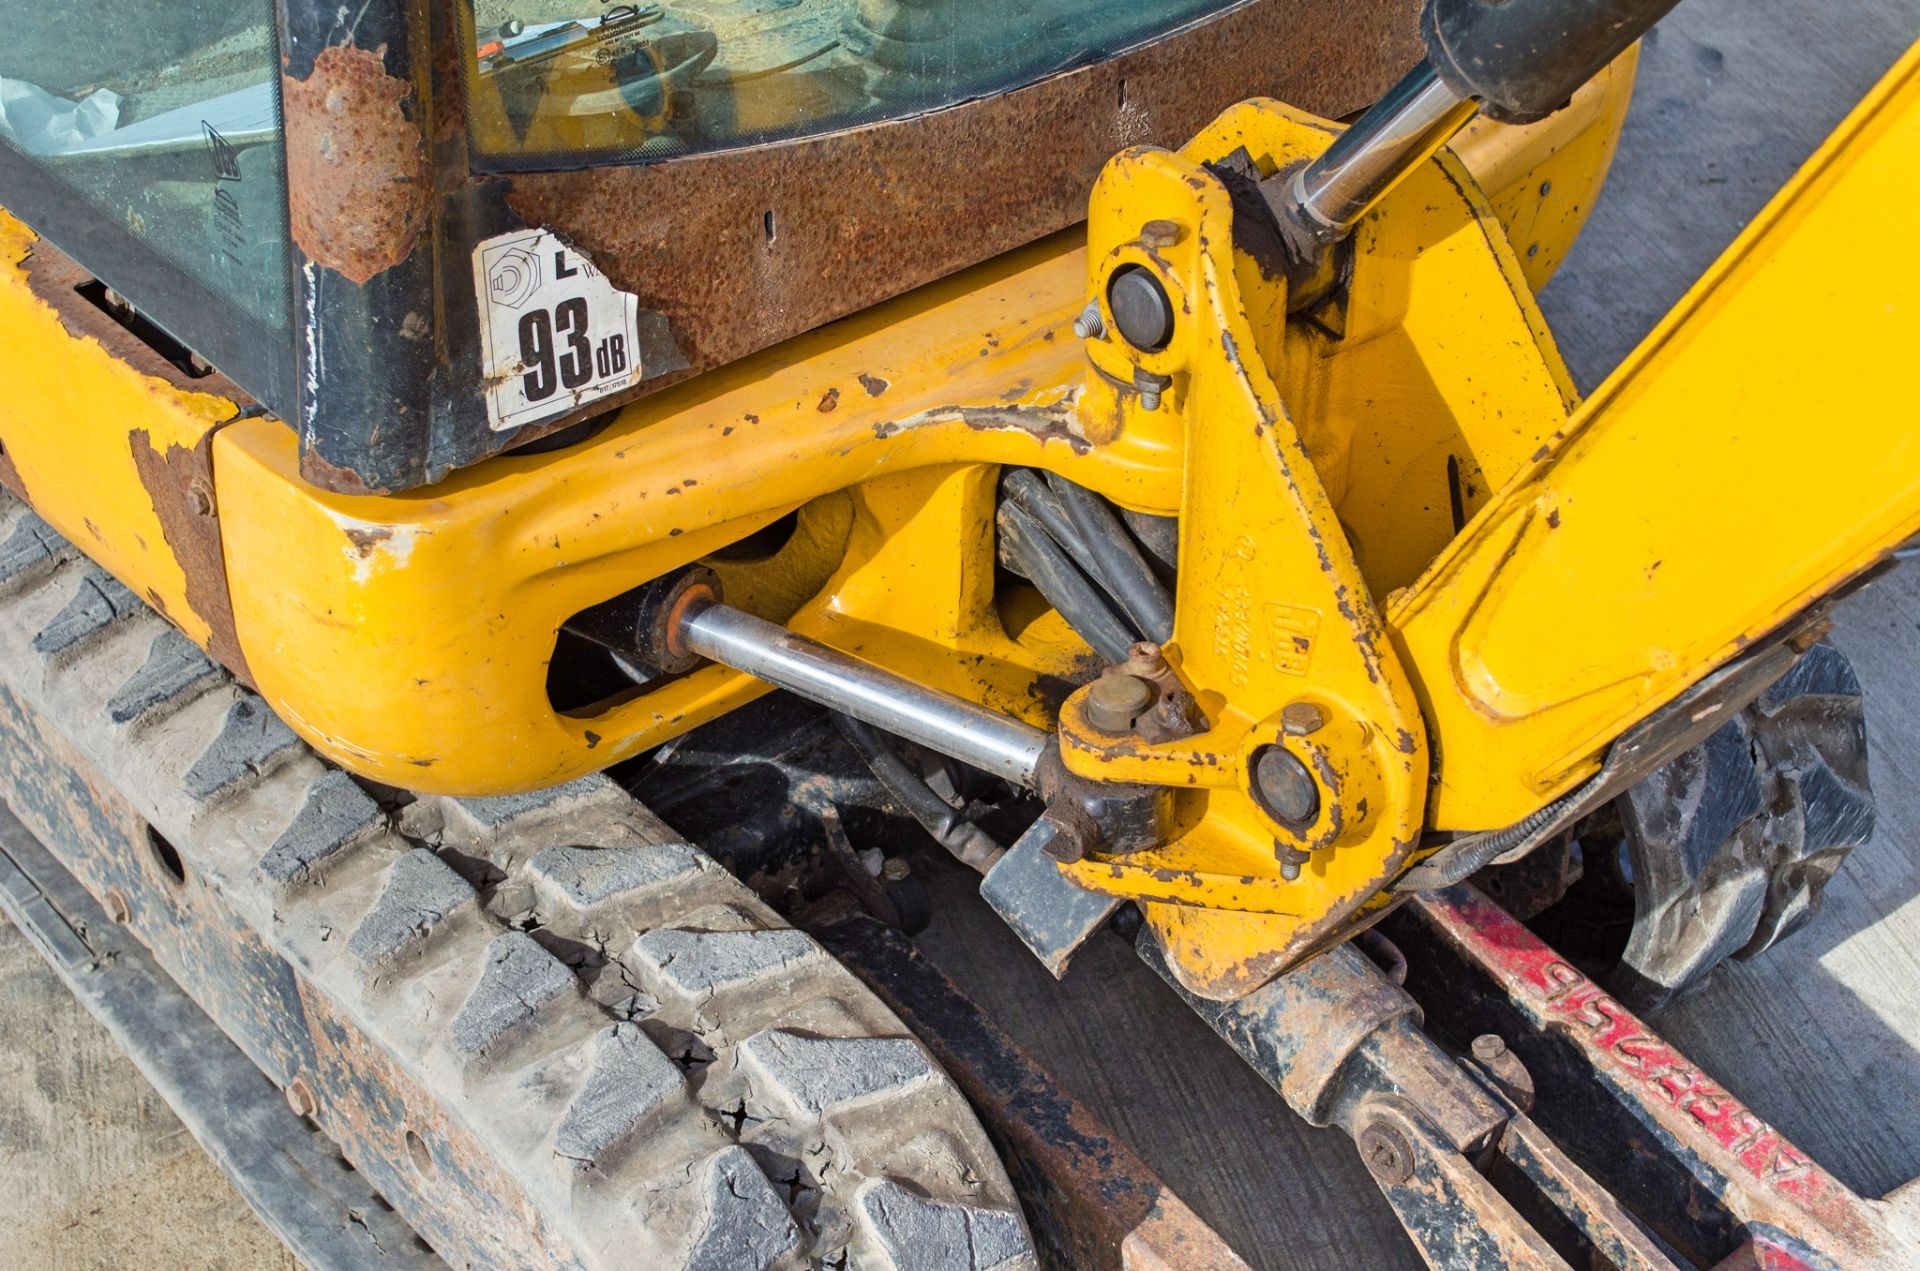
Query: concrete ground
x,y
96,1173
1819,1036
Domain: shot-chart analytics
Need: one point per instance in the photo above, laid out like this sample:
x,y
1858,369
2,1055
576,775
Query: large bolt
x,y
1388,1155
1116,700
1488,1047
200,497
1291,859
1146,660
1150,386
1156,235
1284,786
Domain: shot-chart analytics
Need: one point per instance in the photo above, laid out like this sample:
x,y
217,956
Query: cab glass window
x,y
164,116
550,79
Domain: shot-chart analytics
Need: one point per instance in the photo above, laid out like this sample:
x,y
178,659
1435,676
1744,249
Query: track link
x,y
549,1033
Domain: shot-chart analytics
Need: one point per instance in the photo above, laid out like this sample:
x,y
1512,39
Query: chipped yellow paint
x,y
983,370
1315,464
1541,179
65,423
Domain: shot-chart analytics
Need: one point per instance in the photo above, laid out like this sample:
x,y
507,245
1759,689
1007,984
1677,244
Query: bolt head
x,y
199,497
1145,659
1388,1155
1301,718
896,869
300,1098
1160,234
1488,1047
1116,700
1284,786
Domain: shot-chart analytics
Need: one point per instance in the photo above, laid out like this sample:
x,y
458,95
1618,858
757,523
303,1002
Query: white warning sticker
x,y
554,333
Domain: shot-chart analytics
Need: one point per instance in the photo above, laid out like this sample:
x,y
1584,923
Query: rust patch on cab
x,y
359,187
180,483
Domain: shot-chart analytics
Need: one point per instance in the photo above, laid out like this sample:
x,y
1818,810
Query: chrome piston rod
x,y
938,720
1402,131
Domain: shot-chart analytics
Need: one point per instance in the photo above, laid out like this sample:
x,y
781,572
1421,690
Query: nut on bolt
x,y
1150,387
1291,859
1146,660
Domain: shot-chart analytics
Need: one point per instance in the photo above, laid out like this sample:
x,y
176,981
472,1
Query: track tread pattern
x,y
335,814
174,668
421,893
620,1023
98,603
251,740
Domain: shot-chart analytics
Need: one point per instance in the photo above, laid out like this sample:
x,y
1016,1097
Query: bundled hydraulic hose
x,y
1087,560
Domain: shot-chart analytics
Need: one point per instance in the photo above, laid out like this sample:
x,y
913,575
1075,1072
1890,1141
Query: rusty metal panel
x,y
868,213
391,388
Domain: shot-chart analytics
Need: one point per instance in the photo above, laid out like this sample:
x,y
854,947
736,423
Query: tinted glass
x,y
164,115
552,78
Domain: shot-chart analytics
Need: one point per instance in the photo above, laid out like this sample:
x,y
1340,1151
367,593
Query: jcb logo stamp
x,y
1291,631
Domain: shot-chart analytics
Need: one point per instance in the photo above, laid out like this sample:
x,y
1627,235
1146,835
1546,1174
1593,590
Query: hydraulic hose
x,y
1469,854
1036,555
1117,562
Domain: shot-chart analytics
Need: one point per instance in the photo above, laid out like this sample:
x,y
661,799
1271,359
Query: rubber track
x,y
665,1072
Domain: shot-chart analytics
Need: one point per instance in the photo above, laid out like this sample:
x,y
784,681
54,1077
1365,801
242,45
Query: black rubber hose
x,y
1099,545
1471,853
1043,562
1025,488
970,844
1117,560
1159,538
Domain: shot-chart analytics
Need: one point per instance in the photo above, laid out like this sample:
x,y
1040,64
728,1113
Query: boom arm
x,y
1757,452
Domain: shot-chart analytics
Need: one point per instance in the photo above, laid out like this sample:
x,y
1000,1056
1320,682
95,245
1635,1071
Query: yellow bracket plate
x,y
1271,609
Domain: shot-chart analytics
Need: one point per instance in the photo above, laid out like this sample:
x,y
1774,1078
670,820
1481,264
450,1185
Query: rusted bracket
x,y
1715,1183
1473,1179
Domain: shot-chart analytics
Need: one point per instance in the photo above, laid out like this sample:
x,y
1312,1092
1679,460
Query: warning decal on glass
x,y
554,333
